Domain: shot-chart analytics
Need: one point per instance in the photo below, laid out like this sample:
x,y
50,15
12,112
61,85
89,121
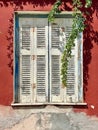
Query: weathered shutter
x,y
25,65
80,67
60,31
55,60
72,72
41,63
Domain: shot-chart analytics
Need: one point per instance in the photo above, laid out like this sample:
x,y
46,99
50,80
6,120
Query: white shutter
x,y
60,31
41,63
57,43
55,66
80,67
72,72
25,65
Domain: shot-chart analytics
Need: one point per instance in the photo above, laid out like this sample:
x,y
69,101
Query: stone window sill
x,y
39,104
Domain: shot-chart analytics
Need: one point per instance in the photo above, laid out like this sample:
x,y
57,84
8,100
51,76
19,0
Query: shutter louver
x,y
55,36
68,31
26,38
55,75
25,65
40,37
55,57
71,89
26,83
41,74
71,77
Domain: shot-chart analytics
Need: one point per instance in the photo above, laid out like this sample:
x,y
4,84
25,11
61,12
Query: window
x,y
38,49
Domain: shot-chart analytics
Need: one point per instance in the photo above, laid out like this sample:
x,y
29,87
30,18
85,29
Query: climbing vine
x,y
54,11
78,26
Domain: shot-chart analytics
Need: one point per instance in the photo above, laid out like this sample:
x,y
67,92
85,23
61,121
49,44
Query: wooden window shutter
x,y
41,63
74,73
55,64
25,65
80,67
60,31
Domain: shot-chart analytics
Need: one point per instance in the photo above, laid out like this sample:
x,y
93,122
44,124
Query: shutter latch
x,y
33,57
34,85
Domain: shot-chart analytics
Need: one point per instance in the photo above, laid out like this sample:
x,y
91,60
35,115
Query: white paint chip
x,y
92,106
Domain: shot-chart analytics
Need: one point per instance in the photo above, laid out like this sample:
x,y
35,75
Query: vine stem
x,y
78,26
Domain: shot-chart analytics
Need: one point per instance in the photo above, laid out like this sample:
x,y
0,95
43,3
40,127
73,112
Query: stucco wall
x,y
49,118
7,9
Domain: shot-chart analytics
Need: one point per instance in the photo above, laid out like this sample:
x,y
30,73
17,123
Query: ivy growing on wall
x,y
78,26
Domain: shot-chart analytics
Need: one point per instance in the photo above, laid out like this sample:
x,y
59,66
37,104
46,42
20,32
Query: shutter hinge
x,y
34,85
33,29
33,57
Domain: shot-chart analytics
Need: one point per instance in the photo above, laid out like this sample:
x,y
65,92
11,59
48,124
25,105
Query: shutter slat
x,y
25,78
26,38
41,67
40,37
68,31
55,64
55,36
71,89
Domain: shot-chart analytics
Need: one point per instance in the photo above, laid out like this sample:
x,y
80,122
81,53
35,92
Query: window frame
x,y
16,52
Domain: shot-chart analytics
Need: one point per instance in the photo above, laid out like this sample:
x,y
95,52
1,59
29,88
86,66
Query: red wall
x,y
7,8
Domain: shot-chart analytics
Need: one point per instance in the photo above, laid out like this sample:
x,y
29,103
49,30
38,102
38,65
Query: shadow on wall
x,y
90,35
9,37
19,5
